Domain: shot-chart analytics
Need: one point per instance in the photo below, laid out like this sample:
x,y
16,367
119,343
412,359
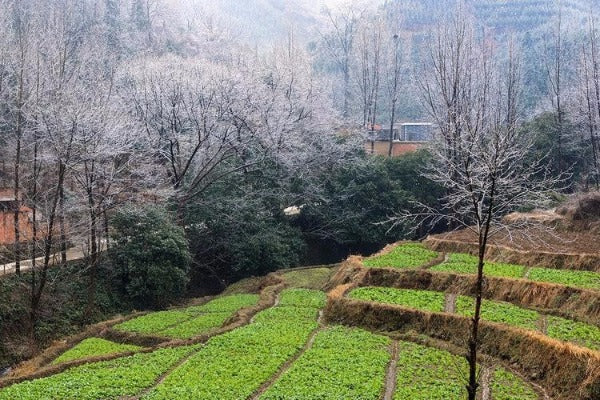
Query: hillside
x,y
391,327
265,22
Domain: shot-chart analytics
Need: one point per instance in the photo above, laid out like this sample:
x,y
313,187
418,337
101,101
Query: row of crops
x,y
341,363
495,311
191,321
236,364
414,255
426,373
126,376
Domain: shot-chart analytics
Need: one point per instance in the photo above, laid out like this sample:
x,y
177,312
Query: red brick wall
x,y
7,227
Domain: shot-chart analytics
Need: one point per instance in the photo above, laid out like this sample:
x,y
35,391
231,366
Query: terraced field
x,y
284,352
295,348
414,255
408,255
94,347
495,311
189,322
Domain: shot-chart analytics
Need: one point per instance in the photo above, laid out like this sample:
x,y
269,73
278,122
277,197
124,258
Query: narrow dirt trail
x,y
487,373
450,303
390,375
543,324
311,339
164,375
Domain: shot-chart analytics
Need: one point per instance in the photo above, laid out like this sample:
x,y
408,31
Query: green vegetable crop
x,y
343,363
419,299
93,347
234,365
113,379
409,255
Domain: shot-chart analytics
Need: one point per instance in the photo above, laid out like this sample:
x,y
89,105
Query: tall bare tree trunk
x,y
62,227
17,166
39,289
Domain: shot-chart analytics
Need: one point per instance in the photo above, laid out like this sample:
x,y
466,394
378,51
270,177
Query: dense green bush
x,y
366,193
150,255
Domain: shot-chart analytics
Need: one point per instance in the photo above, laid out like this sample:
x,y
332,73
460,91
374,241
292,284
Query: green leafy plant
x,y
573,331
495,311
154,322
93,347
126,376
467,264
578,279
235,364
302,298
419,299
507,386
408,255
229,303
196,326
191,321
498,311
426,373
343,363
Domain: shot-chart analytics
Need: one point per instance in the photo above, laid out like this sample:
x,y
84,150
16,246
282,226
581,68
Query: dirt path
x,y
311,339
487,374
543,324
450,302
74,253
390,375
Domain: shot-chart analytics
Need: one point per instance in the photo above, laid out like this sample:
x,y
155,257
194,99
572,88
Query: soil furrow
x,y
450,302
390,376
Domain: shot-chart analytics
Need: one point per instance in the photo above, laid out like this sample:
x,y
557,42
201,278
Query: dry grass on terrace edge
x,y
566,371
34,369
579,304
350,271
506,254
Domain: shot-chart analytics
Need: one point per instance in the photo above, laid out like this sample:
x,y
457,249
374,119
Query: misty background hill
x,y
263,22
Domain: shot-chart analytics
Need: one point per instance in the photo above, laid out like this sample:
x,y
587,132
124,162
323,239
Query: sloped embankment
x,y
565,370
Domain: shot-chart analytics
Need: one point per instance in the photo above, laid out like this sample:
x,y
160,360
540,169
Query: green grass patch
x,y
578,279
196,326
467,264
419,299
230,303
311,278
425,373
573,331
497,311
302,298
408,255
113,379
191,321
507,386
94,347
343,363
235,364
154,322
